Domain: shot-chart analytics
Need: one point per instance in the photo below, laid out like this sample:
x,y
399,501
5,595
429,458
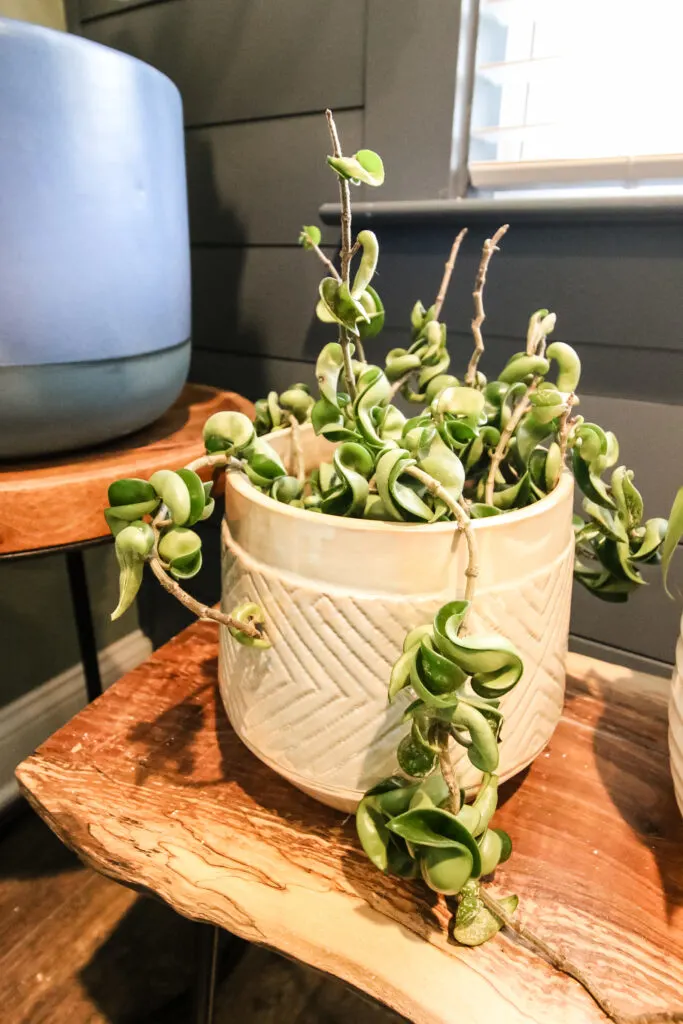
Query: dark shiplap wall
x,y
255,77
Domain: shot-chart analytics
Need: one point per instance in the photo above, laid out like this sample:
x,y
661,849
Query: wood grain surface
x,y
61,500
150,786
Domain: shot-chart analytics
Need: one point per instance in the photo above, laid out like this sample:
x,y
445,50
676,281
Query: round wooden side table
x,y
55,506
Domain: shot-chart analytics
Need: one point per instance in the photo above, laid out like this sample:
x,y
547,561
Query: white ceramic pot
x,y
676,723
339,596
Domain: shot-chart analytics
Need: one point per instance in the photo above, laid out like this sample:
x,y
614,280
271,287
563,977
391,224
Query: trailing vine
x,y
475,448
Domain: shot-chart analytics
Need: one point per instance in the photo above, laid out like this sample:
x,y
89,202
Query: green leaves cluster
x,y
275,411
155,517
614,542
457,682
133,503
452,438
408,827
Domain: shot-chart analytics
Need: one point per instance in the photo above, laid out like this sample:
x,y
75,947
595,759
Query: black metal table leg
x,y
207,960
87,643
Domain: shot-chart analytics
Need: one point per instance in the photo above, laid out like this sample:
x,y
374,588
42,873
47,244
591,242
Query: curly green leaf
x,y
364,166
249,613
133,546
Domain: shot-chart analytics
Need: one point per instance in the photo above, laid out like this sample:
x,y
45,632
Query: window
x,y
577,93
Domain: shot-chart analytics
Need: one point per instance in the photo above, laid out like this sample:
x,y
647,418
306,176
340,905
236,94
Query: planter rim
x,y
15,27
244,487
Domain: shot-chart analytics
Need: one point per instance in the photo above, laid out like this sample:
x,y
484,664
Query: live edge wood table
x,y
54,506
151,787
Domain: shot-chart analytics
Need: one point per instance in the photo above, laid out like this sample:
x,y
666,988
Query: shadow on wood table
x,y
630,745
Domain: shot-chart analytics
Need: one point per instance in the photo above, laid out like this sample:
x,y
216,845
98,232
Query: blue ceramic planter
x,y
94,251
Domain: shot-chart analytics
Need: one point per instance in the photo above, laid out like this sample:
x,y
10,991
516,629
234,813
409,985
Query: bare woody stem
x,y
326,260
464,524
202,611
520,409
345,199
448,771
348,368
448,270
219,459
345,251
565,425
398,384
298,465
490,246
562,963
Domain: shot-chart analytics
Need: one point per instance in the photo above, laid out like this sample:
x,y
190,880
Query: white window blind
x,y
571,92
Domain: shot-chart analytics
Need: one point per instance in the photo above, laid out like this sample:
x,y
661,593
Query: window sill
x,y
456,211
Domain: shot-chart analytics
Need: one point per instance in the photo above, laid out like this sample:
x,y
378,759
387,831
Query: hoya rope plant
x,y
474,447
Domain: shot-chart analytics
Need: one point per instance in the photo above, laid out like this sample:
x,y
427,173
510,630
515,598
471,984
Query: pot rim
x,y
246,489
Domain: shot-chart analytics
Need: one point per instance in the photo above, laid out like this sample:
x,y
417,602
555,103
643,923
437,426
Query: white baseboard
x,y
29,720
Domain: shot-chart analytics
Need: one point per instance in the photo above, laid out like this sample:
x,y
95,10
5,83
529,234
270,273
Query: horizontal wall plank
x,y
258,300
611,285
97,8
614,286
262,299
258,183
250,375
240,59
603,652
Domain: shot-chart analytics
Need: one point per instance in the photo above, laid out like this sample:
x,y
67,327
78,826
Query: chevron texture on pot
x,y
339,596
314,706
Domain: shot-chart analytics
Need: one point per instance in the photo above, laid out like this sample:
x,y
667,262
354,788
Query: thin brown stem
x,y
326,260
298,465
398,384
202,611
345,251
565,425
345,198
448,771
562,963
490,246
522,406
348,367
219,459
448,270
464,524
